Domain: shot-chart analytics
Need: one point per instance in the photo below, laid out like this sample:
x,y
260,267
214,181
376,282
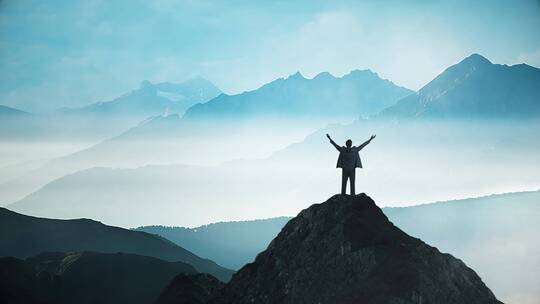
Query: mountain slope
x,y
190,289
19,283
497,235
346,251
89,277
23,236
101,120
355,94
15,123
475,88
231,244
153,99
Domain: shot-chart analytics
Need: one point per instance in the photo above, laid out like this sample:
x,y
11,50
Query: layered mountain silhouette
x,y
290,172
86,277
300,105
472,88
24,236
106,119
153,99
345,250
13,122
475,88
358,93
231,244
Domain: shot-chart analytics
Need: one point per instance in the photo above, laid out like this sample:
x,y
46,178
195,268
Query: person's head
x,y
348,143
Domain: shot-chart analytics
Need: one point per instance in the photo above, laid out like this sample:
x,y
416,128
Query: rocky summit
x,y
347,251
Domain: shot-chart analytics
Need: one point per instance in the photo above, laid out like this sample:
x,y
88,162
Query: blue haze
x,y
71,53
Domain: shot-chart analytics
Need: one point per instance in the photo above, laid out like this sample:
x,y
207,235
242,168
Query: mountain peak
x,y
358,72
324,75
476,59
474,88
145,84
345,250
296,75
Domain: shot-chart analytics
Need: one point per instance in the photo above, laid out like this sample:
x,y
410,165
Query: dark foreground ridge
x,y
86,278
23,236
347,251
190,289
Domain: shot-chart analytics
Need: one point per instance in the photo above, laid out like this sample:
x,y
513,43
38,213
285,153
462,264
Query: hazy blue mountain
x,y
86,277
106,119
231,244
303,105
24,236
359,93
412,160
153,99
15,123
171,139
173,189
7,112
475,88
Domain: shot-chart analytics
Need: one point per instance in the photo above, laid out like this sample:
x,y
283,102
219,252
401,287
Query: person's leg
x,y
352,177
343,181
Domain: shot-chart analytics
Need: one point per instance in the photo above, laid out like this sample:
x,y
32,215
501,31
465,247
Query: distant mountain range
x,y
24,236
9,112
13,122
86,277
359,93
173,139
404,158
293,101
475,88
153,99
472,88
108,118
165,140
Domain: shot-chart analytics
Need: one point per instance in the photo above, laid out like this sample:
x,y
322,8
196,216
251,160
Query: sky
x,y
65,53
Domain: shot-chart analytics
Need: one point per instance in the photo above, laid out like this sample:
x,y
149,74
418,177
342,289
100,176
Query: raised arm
x,y
333,143
366,142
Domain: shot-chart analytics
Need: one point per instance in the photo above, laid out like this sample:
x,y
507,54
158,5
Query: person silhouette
x,y
348,161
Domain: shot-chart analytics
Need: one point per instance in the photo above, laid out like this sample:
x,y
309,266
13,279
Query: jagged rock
x,y
347,251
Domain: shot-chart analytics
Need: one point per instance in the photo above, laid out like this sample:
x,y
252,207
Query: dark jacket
x,y
349,157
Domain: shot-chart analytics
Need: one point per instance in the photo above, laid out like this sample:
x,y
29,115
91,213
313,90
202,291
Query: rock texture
x,y
347,251
85,278
190,289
